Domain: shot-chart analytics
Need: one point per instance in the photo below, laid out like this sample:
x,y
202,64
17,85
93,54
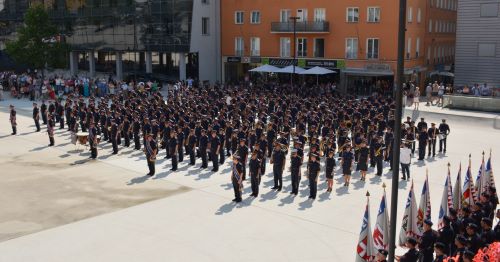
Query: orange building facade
x,y
356,38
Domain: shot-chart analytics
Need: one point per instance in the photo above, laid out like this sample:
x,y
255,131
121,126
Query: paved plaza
x,y
57,205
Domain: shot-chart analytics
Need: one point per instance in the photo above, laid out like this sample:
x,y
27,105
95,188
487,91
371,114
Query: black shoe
x,y
279,188
150,174
420,159
173,169
238,200
274,187
403,178
234,200
13,134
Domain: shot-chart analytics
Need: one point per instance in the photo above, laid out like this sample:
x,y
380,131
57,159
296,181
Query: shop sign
x,y
234,59
322,63
378,67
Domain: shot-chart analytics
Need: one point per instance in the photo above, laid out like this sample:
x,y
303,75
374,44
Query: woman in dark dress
x,y
330,165
347,160
363,160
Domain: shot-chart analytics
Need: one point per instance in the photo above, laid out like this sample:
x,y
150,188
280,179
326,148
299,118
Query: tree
x,y
35,45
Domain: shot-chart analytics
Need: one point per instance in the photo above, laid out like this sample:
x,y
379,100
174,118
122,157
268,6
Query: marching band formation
x,y
251,125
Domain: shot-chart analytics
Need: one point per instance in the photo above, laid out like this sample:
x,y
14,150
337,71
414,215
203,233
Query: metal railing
x,y
304,26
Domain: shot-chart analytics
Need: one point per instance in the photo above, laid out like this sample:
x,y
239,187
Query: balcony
x,y
301,27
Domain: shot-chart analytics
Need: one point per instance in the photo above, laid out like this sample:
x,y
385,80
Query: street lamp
x,y
397,129
294,19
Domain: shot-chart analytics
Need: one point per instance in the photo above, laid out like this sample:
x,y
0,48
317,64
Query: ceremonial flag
x,y
409,226
446,200
468,188
365,251
457,190
482,181
424,208
489,172
381,231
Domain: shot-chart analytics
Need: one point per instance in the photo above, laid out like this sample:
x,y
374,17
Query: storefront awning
x,y
365,72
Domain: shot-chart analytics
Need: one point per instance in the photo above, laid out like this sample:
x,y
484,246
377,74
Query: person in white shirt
x,y
405,160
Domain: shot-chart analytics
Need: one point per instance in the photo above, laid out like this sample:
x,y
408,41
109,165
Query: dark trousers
x,y
215,161
93,151
192,157
44,118
84,128
263,167
175,161
151,167
115,145
37,124
413,147
105,132
181,154
51,140
313,186
442,145
421,150
127,140
278,176
137,142
255,182
432,147
204,162
405,168
380,164
61,123
222,157
237,189
295,181
14,130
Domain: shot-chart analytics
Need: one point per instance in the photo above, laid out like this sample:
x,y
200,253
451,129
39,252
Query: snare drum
x,y
441,136
82,138
98,138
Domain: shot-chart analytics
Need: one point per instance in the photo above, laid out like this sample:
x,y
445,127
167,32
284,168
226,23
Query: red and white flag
x,y
446,200
457,190
381,231
468,188
424,208
365,251
409,227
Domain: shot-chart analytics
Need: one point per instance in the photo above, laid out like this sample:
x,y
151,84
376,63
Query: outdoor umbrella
x,y
289,70
317,71
265,69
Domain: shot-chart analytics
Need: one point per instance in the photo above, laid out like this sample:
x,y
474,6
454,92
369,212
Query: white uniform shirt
x,y
405,155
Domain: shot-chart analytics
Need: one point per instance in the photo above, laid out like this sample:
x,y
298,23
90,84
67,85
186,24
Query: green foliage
x,y
31,47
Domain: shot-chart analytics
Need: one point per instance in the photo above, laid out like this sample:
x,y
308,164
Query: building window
x,y
285,15
408,48
417,48
319,14
373,14
428,55
352,14
410,14
351,48
372,48
285,46
489,10
205,26
436,27
238,17
255,17
486,49
430,25
255,46
239,46
319,47
301,47
205,2
419,15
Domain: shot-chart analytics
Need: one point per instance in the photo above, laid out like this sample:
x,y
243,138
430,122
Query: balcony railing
x,y
301,27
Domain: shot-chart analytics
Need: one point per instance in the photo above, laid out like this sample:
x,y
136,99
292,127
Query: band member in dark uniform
x,y
50,129
151,149
203,148
114,136
362,166
136,129
422,143
36,116
412,255
43,110
313,168
236,178
254,167
214,150
93,140
60,114
379,155
296,163
126,131
432,132
278,162
12,120
192,147
444,131
173,149
329,166
346,163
